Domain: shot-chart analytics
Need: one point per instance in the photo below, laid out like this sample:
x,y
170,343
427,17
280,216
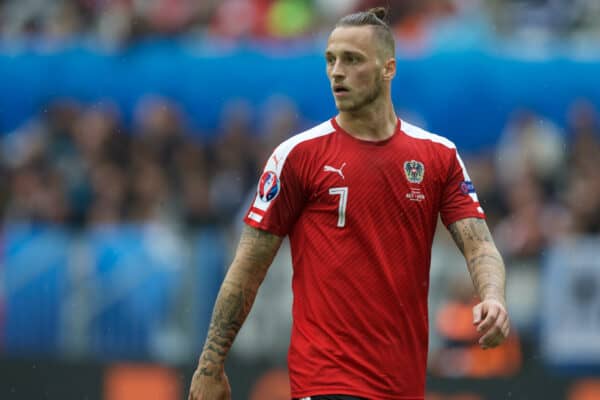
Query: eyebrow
x,y
344,52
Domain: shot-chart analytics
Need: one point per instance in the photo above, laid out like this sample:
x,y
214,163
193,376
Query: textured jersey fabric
x,y
361,217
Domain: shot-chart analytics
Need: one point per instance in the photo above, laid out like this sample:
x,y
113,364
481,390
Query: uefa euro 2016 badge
x,y
466,187
268,186
414,170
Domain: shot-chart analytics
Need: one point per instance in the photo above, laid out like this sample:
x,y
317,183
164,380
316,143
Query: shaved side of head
x,y
375,18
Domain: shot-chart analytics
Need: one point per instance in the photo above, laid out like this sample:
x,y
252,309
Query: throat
x,y
375,128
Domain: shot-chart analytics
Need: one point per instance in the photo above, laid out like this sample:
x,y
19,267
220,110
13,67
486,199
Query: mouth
x,y
339,90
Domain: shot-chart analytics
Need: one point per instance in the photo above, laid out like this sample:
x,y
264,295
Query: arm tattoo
x,y
470,230
485,264
456,235
254,255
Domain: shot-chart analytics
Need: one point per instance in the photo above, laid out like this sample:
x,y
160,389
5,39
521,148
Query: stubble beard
x,y
366,100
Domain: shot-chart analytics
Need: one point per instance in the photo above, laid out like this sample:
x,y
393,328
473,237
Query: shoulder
x,y
425,138
440,149
298,145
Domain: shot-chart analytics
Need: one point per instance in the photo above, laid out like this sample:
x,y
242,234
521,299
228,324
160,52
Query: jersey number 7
x,y
343,193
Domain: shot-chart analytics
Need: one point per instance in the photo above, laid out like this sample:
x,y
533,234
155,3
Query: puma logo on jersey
x,y
329,168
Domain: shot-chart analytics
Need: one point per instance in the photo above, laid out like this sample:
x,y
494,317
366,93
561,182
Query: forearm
x,y
488,274
232,306
484,262
254,255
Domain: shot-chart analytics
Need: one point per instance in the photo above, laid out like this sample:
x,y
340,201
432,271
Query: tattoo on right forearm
x,y
214,349
229,313
258,247
255,253
204,371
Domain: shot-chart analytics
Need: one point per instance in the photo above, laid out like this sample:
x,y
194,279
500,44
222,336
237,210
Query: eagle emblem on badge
x,y
414,171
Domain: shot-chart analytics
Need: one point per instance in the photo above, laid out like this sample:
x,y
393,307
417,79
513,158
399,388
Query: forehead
x,y
352,38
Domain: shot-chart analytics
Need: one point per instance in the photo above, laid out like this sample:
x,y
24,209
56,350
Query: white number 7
x,y
343,193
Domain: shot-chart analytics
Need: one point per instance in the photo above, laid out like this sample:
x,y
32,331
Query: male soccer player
x,y
359,196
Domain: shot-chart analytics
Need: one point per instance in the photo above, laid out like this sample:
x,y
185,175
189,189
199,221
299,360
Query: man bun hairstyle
x,y
377,18
380,12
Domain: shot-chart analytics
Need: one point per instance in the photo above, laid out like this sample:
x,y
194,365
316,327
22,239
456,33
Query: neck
x,y
376,122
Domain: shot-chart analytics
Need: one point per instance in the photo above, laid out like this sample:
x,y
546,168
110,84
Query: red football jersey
x,y
361,217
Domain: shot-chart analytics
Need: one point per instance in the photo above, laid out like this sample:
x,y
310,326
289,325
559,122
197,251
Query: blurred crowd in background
x,y
79,165
119,22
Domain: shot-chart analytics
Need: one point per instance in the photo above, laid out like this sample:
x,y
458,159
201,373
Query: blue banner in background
x,y
466,95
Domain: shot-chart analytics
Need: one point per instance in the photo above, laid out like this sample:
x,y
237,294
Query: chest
x,y
375,184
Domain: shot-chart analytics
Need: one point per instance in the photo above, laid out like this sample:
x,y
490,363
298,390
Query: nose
x,y
337,71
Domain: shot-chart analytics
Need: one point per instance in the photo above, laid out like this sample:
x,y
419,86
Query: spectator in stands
x,y
109,185
234,167
582,181
582,196
530,144
160,130
37,196
584,132
520,233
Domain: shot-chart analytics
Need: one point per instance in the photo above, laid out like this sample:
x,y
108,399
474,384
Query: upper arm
x,y
459,199
256,251
280,197
471,235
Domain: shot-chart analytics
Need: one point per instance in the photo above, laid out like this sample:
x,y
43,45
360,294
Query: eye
x,y
330,60
352,59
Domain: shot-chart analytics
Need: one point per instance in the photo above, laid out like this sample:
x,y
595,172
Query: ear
x,y
389,69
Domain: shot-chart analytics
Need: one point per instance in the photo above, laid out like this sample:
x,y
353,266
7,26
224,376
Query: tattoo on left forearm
x,y
488,276
485,264
457,236
470,230
482,258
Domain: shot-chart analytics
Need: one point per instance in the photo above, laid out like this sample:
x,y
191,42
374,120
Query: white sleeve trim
x,y
280,154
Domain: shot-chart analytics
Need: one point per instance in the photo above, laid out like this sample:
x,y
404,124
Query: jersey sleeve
x,y
459,199
279,196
